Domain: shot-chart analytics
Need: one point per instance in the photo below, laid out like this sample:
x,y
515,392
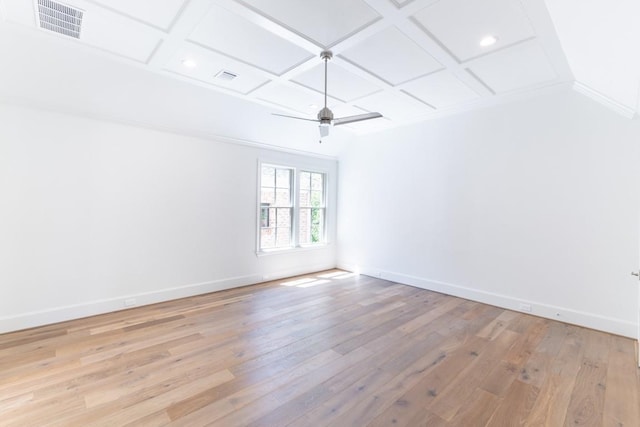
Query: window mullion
x,y
295,200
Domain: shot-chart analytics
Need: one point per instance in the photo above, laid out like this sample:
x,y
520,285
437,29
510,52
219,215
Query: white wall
x,y
93,213
534,202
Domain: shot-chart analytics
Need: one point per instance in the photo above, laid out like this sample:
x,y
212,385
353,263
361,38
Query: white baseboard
x,y
575,317
92,308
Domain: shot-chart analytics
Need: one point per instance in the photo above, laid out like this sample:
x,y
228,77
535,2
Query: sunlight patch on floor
x,y
314,283
298,282
330,275
320,279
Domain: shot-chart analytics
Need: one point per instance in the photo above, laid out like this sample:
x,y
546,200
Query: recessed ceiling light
x,y
313,107
488,41
189,63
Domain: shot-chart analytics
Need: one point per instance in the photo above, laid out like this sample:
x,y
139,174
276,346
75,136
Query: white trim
x,y
96,307
293,250
293,177
567,315
292,272
619,108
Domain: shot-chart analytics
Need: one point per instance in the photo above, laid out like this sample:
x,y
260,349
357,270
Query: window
x,y
276,207
312,209
292,208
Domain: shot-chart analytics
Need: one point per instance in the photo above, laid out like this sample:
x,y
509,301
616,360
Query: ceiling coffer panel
x,y
60,18
441,90
342,84
230,34
324,22
461,25
215,69
392,56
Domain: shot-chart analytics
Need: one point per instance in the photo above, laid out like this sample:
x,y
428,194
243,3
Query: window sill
x,y
298,249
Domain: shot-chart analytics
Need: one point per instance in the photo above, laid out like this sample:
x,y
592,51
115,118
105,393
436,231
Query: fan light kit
x,y
325,116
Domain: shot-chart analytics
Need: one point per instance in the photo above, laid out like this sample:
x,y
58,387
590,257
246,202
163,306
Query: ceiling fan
x,y
325,116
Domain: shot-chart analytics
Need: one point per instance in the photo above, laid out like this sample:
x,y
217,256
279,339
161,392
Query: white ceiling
x,y
411,60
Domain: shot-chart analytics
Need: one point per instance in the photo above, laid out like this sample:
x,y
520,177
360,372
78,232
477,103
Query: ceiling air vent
x,y
226,75
59,18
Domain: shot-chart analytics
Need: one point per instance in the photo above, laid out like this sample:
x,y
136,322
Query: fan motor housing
x,y
325,116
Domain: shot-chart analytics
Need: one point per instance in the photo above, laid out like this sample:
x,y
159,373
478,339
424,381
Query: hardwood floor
x,y
328,349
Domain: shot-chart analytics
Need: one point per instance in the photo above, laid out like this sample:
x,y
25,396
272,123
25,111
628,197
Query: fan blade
x,y
357,118
294,117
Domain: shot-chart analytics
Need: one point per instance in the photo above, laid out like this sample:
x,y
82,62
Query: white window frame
x,y
292,204
323,242
295,209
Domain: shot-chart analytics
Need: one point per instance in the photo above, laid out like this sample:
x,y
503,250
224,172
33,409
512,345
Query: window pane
x,y
283,178
272,217
316,181
283,237
317,225
283,197
316,198
268,176
305,226
305,198
305,181
284,218
267,196
312,208
264,217
267,238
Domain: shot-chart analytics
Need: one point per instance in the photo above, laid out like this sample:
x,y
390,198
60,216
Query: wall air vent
x,y
59,18
226,75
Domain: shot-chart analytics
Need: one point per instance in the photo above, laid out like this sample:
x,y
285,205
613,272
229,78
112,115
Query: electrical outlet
x,y
130,302
525,307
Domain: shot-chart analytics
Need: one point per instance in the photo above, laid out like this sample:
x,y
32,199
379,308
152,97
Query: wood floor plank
x,y
148,407
421,340
417,388
555,393
478,410
622,399
373,373
450,401
259,410
417,385
499,324
516,406
330,348
587,399
218,409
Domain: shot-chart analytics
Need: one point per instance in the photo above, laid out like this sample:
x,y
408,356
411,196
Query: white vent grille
x,y
226,75
59,18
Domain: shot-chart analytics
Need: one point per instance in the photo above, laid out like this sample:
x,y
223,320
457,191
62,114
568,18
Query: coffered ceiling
x,y
410,60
